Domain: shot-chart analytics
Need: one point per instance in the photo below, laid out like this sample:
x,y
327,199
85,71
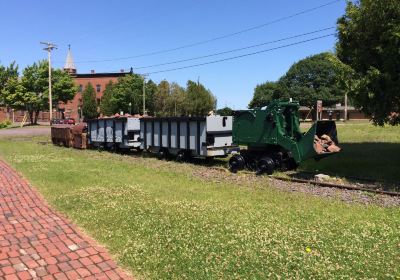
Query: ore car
x,y
116,133
186,137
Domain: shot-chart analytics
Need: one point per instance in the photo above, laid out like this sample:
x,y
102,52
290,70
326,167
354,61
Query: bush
x,y
5,123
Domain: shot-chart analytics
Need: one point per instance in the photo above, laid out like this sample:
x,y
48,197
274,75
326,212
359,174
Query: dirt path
x,y
25,131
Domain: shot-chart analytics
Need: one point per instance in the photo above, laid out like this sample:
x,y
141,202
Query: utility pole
x,y
49,48
345,106
144,93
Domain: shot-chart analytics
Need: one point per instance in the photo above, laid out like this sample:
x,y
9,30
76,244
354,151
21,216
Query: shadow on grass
x,y
378,163
373,161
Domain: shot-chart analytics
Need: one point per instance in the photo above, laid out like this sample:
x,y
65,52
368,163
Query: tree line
x,y
164,99
365,64
30,92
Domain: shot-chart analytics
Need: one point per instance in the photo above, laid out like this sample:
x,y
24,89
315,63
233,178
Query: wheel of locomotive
x,y
251,162
236,163
265,165
291,164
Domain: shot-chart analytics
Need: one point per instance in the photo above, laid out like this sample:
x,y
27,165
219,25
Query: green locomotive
x,y
274,140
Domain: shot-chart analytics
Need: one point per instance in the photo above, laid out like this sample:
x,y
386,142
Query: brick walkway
x,y
38,243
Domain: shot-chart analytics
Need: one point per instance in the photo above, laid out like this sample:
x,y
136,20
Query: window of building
x,y
98,88
80,88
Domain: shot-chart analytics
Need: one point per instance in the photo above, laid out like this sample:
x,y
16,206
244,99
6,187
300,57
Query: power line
x,y
240,56
216,38
234,50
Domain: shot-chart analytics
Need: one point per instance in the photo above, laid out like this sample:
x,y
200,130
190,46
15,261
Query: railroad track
x,y
339,186
326,184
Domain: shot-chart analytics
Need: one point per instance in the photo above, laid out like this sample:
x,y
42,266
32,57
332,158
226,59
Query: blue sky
x,y
100,30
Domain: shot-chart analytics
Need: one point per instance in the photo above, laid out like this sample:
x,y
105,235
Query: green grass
x,y
368,152
162,220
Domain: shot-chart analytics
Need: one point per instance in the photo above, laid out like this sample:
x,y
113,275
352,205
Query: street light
x,y
130,108
49,48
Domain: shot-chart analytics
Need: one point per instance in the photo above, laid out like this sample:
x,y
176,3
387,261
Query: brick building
x,y
98,80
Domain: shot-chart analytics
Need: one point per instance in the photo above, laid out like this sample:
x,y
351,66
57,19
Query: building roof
x,y
102,75
69,61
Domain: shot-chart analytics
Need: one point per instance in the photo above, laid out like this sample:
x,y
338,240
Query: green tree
x,y
15,95
161,99
107,107
315,77
6,73
9,84
63,86
89,106
176,102
36,89
369,42
128,89
199,100
151,89
226,111
264,94
170,99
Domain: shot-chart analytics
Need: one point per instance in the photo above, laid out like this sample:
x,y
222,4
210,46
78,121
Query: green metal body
x,y
277,129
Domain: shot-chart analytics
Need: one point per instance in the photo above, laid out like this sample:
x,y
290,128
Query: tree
x,y
9,84
15,95
107,107
128,89
169,99
176,102
226,111
264,94
36,89
369,42
6,73
161,99
89,106
151,89
35,82
315,77
63,86
199,100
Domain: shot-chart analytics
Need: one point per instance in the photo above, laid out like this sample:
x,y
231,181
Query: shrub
x,y
5,123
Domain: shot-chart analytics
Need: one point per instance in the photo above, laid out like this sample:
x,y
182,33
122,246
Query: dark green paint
x,y
278,125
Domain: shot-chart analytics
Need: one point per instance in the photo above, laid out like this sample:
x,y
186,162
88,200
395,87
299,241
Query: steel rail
x,y
332,185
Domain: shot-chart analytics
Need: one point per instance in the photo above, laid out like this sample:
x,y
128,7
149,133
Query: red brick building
x,y
98,80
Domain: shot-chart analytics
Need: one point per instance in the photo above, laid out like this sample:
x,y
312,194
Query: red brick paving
x,y
38,243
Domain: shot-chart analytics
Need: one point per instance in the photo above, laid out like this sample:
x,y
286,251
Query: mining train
x,y
262,140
